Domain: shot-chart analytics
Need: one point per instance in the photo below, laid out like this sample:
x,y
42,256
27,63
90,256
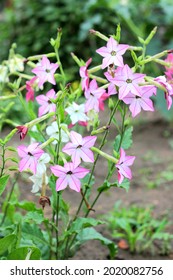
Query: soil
x,y
153,148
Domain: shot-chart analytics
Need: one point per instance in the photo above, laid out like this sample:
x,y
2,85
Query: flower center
x,y
47,71
69,172
49,102
113,53
30,154
80,146
129,81
137,97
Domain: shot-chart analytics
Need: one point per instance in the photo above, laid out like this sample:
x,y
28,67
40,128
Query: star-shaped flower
x,y
127,81
93,94
45,71
30,89
123,166
69,175
168,90
112,53
45,101
77,113
79,148
140,101
30,156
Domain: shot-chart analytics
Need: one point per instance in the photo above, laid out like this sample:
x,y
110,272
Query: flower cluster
x,y
130,88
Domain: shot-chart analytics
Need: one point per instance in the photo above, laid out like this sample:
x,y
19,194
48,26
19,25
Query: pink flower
x,y
168,89
169,70
112,53
30,89
22,130
112,89
93,94
127,81
45,102
140,101
45,71
84,74
101,101
69,175
30,156
123,166
79,148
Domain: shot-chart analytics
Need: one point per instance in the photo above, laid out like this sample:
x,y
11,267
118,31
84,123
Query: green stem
x,y
57,225
37,57
3,160
8,200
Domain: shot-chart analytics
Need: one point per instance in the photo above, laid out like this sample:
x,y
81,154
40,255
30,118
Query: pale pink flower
x,y
22,131
112,89
123,166
168,89
45,101
112,53
93,94
45,71
69,175
84,74
127,81
30,89
79,148
140,101
30,156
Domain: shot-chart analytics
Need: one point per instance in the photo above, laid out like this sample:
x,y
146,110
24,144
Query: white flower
x,y
38,179
53,131
16,64
4,74
77,113
41,166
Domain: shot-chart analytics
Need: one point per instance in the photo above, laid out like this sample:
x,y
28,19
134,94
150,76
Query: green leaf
x,y
7,242
91,234
38,218
25,253
3,183
28,206
127,140
81,223
106,186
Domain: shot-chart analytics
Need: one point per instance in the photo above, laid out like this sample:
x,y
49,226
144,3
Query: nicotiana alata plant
x,y
66,140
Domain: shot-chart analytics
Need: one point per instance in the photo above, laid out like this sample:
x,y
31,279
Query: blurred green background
x,y
32,23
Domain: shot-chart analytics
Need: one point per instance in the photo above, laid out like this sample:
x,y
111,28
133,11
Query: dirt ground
x,y
153,148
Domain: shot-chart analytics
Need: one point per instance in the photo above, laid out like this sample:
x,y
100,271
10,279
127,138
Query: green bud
x,y
52,42
142,41
100,130
151,35
110,103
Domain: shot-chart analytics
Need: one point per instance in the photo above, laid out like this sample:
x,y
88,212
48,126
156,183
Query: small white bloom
x,y
41,166
4,74
77,113
53,131
16,64
38,179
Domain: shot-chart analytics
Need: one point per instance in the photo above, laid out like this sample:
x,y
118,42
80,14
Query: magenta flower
x,y
30,89
84,74
168,90
101,101
112,53
123,166
93,94
79,148
30,156
45,71
46,105
127,81
140,101
69,175
112,89
22,131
